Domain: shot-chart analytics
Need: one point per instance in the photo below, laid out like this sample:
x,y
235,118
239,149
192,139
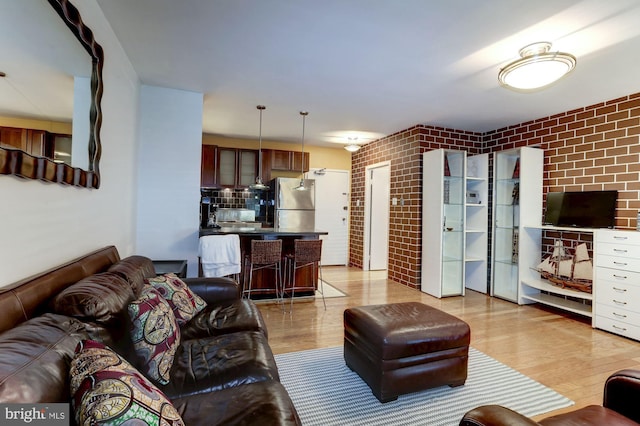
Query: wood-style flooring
x,y
560,351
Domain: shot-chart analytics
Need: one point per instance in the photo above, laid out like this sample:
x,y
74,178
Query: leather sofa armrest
x,y
215,291
495,415
621,393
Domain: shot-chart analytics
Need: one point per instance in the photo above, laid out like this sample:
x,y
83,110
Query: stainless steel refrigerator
x,y
292,208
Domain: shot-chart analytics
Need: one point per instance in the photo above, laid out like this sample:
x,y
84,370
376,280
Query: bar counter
x,y
263,280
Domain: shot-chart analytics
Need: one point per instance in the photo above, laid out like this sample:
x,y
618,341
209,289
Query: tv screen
x,y
587,209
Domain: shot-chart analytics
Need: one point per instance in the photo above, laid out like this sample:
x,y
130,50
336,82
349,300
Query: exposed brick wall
x,y
592,148
404,151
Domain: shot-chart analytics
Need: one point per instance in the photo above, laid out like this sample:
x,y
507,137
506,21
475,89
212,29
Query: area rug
x,y
326,392
329,291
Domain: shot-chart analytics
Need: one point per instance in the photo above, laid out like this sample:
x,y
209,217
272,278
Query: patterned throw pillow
x,y
184,302
107,390
155,334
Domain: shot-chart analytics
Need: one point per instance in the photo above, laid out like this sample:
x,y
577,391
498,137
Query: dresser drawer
x,y
620,296
618,250
620,237
618,314
610,276
617,327
617,262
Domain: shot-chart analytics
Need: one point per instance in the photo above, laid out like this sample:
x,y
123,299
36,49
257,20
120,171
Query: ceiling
x,y
369,68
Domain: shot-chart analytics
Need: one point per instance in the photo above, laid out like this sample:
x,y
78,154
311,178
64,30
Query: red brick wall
x,y
592,148
404,150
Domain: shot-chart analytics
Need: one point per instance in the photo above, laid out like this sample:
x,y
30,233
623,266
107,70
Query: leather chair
x,y
619,408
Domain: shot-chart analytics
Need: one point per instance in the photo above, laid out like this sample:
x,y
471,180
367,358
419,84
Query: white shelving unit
x,y
476,218
443,222
517,201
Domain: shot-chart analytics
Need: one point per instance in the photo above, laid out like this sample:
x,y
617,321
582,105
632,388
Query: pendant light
x,y
302,187
259,185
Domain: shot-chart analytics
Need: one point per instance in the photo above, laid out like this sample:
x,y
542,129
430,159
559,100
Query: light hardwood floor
x,y
559,351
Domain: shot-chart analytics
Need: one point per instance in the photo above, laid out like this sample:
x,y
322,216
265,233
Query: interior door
x,y
379,193
332,213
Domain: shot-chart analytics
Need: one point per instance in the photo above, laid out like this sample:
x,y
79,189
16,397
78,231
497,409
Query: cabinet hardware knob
x,y
620,263
619,315
619,328
617,237
623,290
618,302
619,250
622,277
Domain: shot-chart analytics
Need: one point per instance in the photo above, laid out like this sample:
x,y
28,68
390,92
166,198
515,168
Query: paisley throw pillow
x,y
107,390
184,302
155,334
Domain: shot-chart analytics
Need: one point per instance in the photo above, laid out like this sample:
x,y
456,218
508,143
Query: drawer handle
x,y
620,290
619,315
621,277
619,250
619,328
618,237
618,302
620,263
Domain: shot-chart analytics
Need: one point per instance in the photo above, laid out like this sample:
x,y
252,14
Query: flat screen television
x,y
586,209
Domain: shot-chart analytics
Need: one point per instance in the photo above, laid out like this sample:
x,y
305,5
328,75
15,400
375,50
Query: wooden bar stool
x,y
306,253
265,254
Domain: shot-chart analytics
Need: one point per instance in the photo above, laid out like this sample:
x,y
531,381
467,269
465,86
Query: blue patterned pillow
x,y
155,334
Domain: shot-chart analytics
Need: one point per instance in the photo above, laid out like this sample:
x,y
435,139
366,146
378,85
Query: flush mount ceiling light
x,y
352,146
259,185
536,68
301,187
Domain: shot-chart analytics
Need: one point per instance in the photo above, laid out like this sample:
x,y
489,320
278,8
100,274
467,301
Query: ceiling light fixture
x,y
352,146
536,68
259,185
302,187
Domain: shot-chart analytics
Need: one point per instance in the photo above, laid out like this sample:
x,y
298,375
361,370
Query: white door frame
x,y
367,211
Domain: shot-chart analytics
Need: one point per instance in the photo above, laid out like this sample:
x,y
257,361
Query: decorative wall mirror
x,y
50,101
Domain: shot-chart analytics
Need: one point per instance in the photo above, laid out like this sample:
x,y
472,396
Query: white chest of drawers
x,y
617,278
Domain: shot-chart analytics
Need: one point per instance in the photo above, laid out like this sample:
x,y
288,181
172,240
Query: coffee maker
x,y
208,213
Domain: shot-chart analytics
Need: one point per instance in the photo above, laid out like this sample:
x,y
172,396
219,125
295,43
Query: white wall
x,y
44,224
169,175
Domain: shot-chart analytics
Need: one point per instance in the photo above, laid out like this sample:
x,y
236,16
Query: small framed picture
x,y
473,197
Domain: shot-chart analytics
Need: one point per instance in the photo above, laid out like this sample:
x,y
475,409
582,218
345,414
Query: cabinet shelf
x,y
548,287
560,303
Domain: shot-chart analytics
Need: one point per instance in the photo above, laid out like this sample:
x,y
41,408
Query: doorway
x,y
376,235
332,213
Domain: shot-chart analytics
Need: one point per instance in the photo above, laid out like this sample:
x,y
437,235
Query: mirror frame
x,y
19,163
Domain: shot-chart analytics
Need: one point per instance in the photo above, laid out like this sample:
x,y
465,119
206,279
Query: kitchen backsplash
x,y
231,199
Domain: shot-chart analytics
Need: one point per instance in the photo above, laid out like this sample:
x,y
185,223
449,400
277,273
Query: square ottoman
x,y
399,348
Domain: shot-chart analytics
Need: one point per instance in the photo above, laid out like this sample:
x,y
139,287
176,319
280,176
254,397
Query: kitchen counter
x,y
265,233
262,285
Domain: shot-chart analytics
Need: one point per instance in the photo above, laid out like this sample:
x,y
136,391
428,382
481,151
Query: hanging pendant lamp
x,y
259,185
302,187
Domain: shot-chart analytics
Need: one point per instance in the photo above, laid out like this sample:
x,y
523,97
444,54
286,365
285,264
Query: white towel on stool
x,y
219,255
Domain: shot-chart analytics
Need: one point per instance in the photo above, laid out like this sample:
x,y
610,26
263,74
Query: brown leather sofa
x,y
619,408
223,373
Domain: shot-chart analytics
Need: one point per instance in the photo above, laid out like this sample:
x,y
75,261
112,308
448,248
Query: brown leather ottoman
x,y
400,348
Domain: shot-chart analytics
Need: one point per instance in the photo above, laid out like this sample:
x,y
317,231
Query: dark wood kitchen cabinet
x,y
35,142
208,166
283,161
237,168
